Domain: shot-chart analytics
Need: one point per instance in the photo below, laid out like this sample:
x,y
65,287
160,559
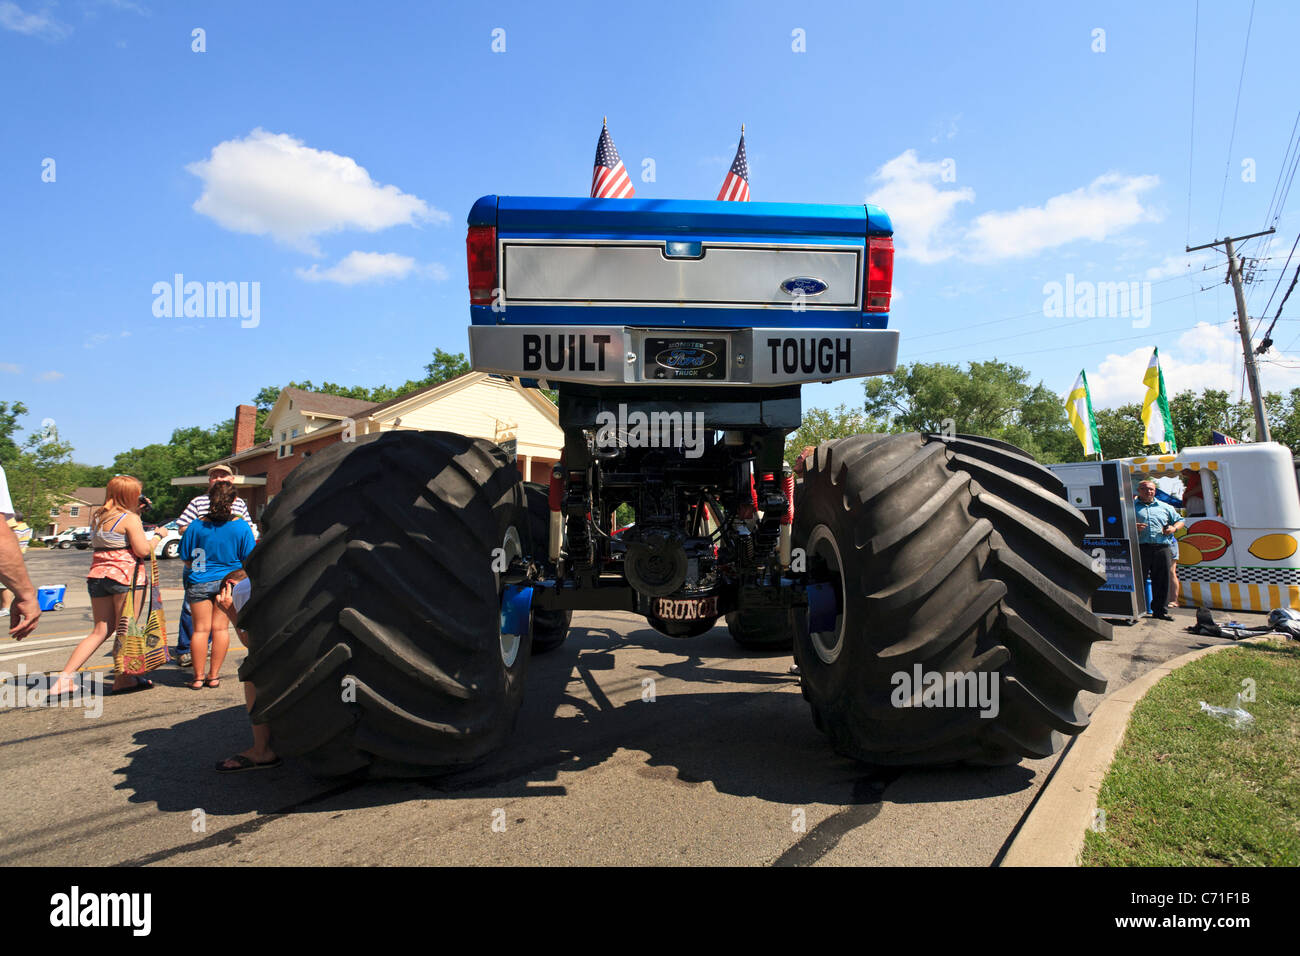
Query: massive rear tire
x,y
374,623
952,556
550,628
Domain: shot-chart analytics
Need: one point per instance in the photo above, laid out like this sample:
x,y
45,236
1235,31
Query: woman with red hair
x,y
119,543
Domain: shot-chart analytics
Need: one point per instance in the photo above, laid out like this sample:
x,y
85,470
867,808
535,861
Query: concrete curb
x,y
1053,833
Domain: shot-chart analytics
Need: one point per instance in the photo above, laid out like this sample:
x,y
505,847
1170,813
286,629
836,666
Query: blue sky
x,y
1009,152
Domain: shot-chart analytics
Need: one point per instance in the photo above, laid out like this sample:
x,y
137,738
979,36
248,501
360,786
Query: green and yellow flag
x,y
1155,409
1078,406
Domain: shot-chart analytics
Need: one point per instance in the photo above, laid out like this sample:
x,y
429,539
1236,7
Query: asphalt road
x,y
723,766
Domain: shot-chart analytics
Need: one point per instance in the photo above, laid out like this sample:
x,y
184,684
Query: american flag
x,y
736,185
609,180
1219,438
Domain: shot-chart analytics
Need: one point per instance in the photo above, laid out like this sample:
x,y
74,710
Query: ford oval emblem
x,y
804,285
686,357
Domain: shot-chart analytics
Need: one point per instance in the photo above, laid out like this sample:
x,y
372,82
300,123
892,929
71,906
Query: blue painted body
x,y
681,220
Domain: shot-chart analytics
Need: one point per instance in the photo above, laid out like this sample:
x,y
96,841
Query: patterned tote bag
x,y
142,646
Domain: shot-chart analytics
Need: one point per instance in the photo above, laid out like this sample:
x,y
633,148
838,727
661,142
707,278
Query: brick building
x,y
73,512
303,423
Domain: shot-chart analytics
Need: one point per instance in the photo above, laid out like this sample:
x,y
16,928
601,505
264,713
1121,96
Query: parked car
x,y
170,546
82,539
64,539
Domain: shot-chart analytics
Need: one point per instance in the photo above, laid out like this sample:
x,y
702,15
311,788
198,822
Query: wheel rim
x,y
509,643
821,543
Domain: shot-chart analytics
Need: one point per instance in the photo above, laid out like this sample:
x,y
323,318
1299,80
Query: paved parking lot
x,y
723,766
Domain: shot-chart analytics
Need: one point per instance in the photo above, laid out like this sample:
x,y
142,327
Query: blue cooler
x,y
51,598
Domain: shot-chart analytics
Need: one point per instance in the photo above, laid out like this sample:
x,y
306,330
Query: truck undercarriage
x,y
403,581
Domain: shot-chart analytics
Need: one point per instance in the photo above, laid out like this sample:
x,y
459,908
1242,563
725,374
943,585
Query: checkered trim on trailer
x,y
1196,572
1269,575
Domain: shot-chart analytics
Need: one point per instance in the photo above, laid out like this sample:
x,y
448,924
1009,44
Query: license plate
x,y
685,609
694,358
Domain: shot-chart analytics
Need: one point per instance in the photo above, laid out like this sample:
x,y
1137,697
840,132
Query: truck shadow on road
x,y
583,706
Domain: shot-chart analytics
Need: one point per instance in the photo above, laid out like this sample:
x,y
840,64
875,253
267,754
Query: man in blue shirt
x,y
1156,523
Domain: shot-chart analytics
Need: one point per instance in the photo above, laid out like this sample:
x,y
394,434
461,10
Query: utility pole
x,y
1243,327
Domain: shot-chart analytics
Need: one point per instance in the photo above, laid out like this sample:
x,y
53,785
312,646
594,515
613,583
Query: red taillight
x,y
880,273
481,255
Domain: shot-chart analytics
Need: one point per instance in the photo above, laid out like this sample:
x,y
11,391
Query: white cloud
x,y
1179,265
13,17
50,376
919,209
357,267
11,368
1106,206
1201,358
273,184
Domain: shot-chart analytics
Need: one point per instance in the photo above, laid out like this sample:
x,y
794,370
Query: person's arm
x,y
188,516
24,612
246,543
141,544
187,543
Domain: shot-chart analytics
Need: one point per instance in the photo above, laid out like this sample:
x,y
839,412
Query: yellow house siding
x,y
486,409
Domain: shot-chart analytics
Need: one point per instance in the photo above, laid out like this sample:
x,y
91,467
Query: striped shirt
x,y
197,508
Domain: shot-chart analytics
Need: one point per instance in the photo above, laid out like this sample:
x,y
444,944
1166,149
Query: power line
x,y
1227,163
1277,285
1054,328
1039,311
1191,135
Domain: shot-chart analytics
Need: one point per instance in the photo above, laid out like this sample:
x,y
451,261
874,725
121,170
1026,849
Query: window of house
x,y
282,435
285,451
294,434
74,511
54,512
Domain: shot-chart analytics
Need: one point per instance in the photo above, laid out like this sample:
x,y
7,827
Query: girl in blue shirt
x,y
212,547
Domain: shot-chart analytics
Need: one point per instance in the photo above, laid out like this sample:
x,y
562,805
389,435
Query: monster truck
x,y
403,580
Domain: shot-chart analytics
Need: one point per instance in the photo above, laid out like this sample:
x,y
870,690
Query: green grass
x,y
1186,789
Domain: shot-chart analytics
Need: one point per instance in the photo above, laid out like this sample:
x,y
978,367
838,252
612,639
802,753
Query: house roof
x,y
91,496
337,405
372,410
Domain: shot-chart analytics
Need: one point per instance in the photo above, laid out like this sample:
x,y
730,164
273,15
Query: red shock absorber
x,y
788,489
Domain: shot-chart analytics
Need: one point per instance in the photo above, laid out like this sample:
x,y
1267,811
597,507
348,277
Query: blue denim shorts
x,y
105,587
202,592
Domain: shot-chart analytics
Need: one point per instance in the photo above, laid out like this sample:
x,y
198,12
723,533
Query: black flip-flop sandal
x,y
244,764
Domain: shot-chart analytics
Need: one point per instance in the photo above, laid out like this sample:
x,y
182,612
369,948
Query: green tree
x,y
1120,430
182,455
9,415
991,398
820,424
445,367
90,476
41,473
